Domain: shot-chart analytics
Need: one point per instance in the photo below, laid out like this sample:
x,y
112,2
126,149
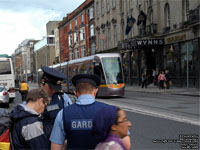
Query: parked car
x,y
4,96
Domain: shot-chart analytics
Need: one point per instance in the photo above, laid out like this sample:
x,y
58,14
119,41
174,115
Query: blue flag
x,y
129,24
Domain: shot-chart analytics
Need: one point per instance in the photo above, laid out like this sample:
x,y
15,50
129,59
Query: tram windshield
x,y
113,71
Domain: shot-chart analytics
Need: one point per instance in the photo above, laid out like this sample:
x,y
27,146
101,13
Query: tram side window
x,y
98,70
85,68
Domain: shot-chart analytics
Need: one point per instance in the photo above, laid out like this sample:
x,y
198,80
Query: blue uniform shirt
x,y
58,135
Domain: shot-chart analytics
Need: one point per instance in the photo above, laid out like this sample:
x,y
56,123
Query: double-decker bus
x,y
107,66
7,77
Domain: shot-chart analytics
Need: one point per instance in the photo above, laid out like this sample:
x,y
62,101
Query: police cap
x,y
86,78
53,78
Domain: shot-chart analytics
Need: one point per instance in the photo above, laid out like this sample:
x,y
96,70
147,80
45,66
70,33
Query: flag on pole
x,y
129,24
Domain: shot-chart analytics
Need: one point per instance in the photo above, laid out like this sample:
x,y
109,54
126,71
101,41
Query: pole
x,y
187,67
36,67
25,66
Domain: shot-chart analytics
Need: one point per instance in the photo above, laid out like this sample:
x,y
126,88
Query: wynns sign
x,y
127,44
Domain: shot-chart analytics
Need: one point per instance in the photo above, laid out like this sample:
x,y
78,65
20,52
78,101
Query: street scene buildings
x,y
149,34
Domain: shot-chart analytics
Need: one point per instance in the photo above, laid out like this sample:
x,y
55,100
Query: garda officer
x,y
51,82
76,120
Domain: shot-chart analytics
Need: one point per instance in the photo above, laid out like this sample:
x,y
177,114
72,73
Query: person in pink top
x,y
110,126
162,79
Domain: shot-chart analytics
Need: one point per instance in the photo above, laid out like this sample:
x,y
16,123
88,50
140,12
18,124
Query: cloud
x,y
19,26
24,19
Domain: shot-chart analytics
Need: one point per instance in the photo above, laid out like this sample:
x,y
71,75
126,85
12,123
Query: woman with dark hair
x,y
110,127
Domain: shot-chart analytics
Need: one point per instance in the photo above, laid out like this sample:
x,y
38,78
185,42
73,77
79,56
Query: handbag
x,y
170,83
165,85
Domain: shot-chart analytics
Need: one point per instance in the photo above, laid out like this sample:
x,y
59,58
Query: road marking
x,y
158,114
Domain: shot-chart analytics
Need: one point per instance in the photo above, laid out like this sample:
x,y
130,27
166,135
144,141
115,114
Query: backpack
x,y
6,125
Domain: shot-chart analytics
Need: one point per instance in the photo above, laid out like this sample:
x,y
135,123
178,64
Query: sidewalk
x,y
173,90
153,89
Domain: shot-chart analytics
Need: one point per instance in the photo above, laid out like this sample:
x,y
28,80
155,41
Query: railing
x,y
166,29
194,15
149,30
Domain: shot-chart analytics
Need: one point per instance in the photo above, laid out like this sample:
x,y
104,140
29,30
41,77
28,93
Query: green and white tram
x,y
108,66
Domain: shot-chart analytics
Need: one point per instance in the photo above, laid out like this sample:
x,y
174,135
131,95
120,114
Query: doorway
x,y
150,60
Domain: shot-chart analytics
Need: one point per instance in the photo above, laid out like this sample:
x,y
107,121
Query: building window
x,y
31,44
107,5
50,40
75,37
70,39
167,15
93,48
103,40
82,18
91,30
186,9
75,22
82,34
76,53
109,38
91,13
123,31
131,4
102,7
115,34
121,6
70,26
83,51
113,3
71,53
150,2
52,32
97,9
150,12
99,41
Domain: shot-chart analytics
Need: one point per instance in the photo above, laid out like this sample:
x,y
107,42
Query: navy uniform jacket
x,y
78,120
28,130
50,113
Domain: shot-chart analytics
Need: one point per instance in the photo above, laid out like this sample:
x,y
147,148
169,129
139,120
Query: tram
x,y
108,66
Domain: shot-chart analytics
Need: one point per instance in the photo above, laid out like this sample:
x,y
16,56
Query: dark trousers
x,y
167,83
144,83
162,84
23,95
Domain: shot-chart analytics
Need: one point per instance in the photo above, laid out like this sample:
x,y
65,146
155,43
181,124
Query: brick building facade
x,y
77,33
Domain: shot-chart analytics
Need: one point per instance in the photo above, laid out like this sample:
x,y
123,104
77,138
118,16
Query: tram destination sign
x,y
127,44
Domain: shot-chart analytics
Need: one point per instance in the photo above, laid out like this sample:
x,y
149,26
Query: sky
x,y
27,19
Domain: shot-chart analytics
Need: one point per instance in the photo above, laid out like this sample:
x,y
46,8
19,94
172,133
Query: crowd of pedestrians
x,y
49,120
163,80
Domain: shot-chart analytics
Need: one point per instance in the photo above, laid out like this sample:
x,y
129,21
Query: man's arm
x,y
57,137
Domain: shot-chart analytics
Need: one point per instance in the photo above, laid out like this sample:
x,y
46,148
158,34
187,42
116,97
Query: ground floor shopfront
x,y
171,53
181,55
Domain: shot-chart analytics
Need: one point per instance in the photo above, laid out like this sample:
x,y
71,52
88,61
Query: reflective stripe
x,y
33,130
112,85
52,107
